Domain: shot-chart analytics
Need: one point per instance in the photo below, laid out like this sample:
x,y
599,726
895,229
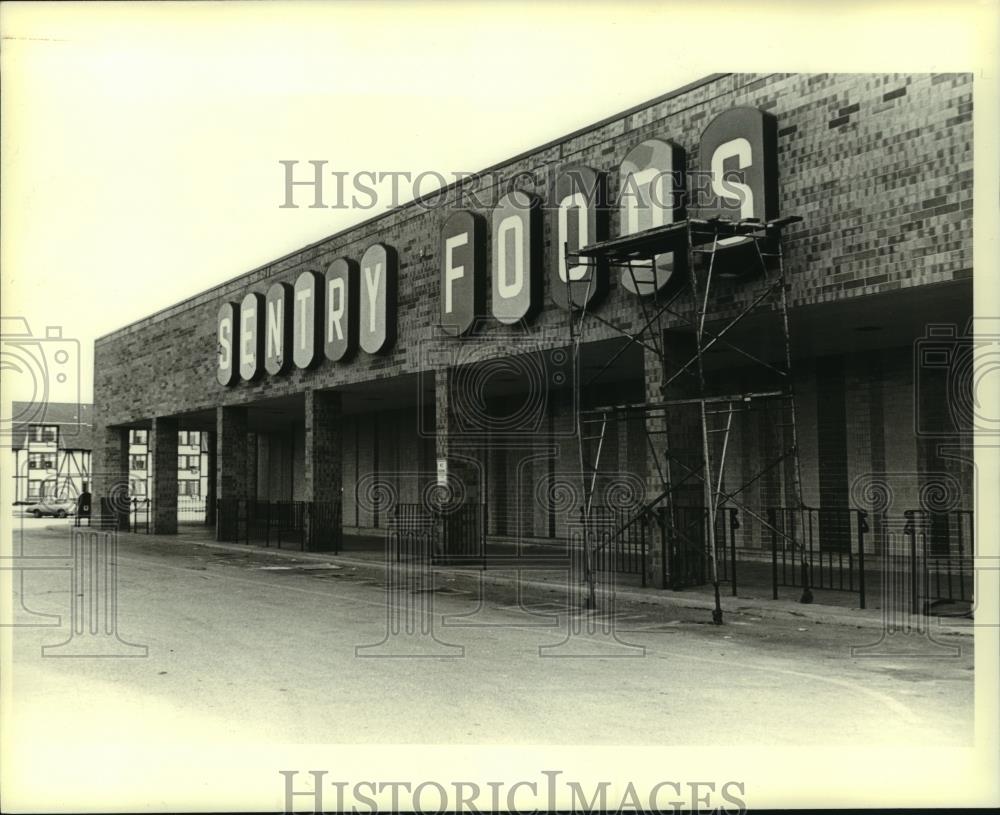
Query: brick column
x,y
324,470
655,465
684,439
449,442
465,472
163,469
230,468
210,448
109,473
251,454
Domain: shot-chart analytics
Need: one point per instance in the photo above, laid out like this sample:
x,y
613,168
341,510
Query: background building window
x,y
189,463
138,463
137,436
41,461
44,433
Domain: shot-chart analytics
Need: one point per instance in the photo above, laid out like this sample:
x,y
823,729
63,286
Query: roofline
x,y
48,424
690,86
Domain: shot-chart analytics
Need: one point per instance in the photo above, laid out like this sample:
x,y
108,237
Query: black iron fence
x,y
820,549
304,525
806,549
622,540
814,548
452,535
941,545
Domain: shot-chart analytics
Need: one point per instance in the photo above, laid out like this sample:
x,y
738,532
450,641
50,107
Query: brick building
x,y
878,167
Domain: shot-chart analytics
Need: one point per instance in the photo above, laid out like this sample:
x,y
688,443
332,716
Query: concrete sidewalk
x,y
550,580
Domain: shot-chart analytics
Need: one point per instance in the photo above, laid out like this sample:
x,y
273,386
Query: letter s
x,y
740,150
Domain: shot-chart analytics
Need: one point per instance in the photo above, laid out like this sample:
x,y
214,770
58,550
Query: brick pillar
x,y
450,444
685,442
230,468
655,424
210,448
163,469
462,528
109,473
251,453
324,470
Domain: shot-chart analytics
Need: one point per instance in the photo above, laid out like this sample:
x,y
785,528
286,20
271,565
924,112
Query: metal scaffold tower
x,y
710,309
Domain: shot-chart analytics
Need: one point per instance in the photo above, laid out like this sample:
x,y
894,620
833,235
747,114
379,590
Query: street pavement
x,y
244,644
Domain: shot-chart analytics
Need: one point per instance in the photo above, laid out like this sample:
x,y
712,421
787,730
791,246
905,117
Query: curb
x,y
784,610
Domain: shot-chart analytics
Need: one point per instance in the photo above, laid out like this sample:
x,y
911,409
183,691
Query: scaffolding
x,y
690,304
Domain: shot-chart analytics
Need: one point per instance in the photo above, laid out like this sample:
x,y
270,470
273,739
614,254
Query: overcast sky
x,y
141,143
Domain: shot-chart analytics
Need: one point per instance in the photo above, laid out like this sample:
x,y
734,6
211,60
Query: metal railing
x,y
303,525
830,549
941,545
623,539
818,548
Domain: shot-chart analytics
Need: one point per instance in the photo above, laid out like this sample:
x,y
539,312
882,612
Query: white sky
x,y
141,142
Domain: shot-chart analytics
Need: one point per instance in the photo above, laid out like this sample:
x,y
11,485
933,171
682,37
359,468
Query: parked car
x,y
56,507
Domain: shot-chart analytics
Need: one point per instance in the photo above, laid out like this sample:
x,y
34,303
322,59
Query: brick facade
x,y
878,166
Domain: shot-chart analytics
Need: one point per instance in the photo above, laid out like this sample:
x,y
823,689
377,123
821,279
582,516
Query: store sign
x,y
377,299
463,271
652,194
307,337
581,218
251,336
228,368
739,152
517,267
278,328
319,316
342,305
353,305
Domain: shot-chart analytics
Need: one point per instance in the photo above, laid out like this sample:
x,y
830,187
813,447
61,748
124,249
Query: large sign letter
x,y
228,368
581,219
278,328
652,194
739,151
251,336
307,336
463,269
377,299
341,310
517,268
